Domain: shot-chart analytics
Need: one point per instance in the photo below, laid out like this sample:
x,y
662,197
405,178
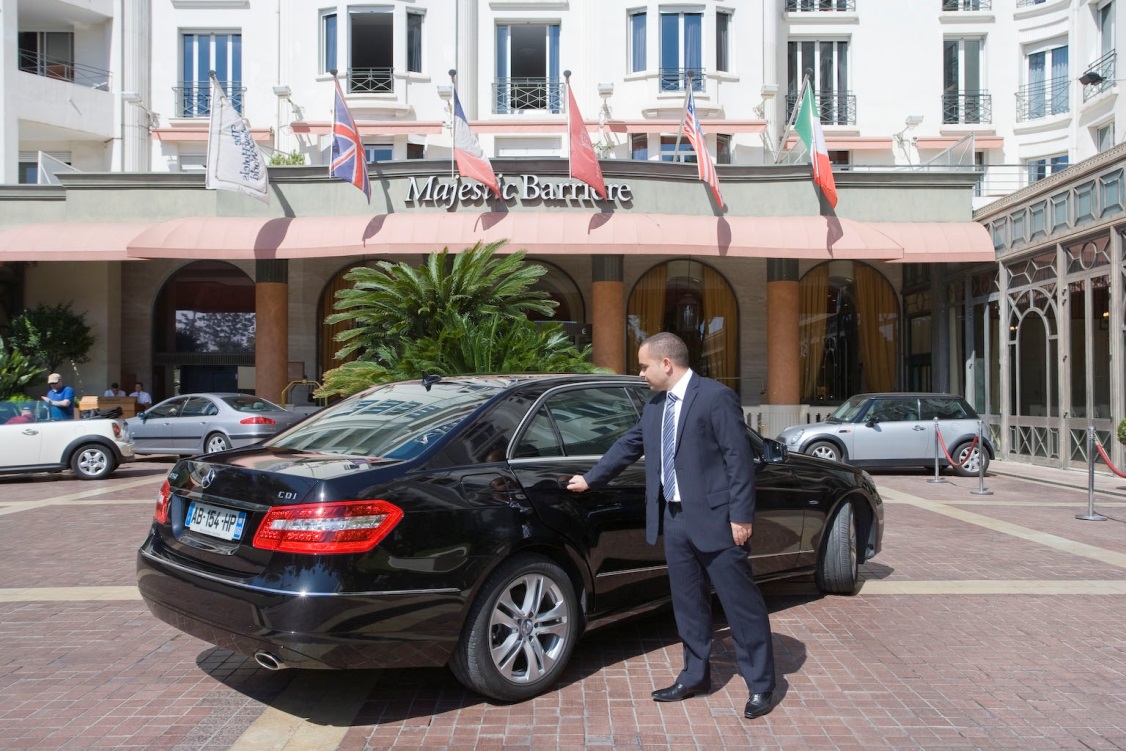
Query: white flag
x,y
234,161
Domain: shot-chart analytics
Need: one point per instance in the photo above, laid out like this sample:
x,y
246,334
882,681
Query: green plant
x,y
452,315
51,335
1122,432
16,371
280,158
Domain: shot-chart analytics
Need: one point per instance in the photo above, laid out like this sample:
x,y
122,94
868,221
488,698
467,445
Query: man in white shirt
x,y
114,390
144,401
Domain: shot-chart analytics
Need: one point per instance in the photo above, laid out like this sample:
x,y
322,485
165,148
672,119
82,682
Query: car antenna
x,y
429,379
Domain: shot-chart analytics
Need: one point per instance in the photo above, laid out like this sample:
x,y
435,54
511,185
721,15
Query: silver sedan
x,y
206,423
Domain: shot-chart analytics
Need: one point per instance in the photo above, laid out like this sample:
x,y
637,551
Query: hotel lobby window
x,y
697,304
848,336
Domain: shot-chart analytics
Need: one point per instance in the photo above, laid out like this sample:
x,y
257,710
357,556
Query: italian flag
x,y
808,126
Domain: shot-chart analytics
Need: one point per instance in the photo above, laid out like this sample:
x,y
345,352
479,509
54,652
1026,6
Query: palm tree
x,y
452,315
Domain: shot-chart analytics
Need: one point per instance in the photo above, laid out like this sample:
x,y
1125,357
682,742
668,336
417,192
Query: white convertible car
x,y
93,448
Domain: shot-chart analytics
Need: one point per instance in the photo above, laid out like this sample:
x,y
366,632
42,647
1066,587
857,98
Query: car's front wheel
x,y
92,462
838,569
520,632
825,450
216,442
968,461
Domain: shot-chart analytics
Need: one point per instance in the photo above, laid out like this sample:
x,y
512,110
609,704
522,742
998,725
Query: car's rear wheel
x,y
968,462
92,462
838,569
825,450
216,442
520,632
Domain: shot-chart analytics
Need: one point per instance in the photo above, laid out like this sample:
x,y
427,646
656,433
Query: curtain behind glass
x,y
329,345
721,330
637,24
814,293
553,88
330,43
693,55
1036,85
1059,80
647,309
878,324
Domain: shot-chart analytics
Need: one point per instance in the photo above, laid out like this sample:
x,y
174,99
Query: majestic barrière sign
x,y
446,191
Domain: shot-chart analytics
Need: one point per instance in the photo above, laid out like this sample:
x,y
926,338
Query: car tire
x,y
520,631
216,442
825,450
92,461
970,469
838,568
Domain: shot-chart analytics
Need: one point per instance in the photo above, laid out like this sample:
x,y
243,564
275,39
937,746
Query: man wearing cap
x,y
60,397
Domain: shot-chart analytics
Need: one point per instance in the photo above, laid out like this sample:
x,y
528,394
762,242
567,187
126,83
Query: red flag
x,y
584,164
695,136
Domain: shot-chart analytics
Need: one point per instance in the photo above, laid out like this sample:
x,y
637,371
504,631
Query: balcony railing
x,y
676,79
371,81
1101,75
519,94
967,107
1027,3
64,70
194,99
814,6
967,4
1042,99
833,107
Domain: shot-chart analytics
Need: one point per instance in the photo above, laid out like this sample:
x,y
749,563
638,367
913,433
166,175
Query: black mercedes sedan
x,y
426,523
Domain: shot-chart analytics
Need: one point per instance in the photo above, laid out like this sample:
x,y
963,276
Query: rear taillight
x,y
257,421
163,501
344,527
116,430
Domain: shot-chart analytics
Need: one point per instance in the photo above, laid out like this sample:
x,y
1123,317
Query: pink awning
x,y
936,242
76,241
561,233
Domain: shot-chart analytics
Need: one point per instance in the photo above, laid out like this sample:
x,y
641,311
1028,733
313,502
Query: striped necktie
x,y
668,447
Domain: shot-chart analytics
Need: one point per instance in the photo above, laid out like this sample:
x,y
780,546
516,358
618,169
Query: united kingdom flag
x,y
347,159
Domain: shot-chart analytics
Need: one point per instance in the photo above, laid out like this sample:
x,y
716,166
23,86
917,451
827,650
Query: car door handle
x,y
30,431
918,427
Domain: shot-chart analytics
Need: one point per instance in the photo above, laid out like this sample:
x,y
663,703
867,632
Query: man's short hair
x,y
666,344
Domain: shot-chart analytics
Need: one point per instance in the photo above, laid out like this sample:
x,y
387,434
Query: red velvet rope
x,y
1102,453
969,454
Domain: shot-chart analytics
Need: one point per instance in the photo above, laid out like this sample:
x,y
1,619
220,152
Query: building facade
x,y
106,105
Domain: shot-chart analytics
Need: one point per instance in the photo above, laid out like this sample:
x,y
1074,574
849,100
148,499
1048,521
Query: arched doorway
x,y
848,336
204,327
695,302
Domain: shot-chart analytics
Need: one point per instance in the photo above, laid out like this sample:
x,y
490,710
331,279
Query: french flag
x,y
347,158
471,160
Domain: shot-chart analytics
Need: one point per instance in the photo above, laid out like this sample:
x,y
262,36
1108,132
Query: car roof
x,y
884,394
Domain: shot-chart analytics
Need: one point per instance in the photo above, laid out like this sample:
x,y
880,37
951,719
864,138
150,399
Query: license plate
x,y
216,522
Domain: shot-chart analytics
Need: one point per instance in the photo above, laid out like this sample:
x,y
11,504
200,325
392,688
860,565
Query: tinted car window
x,y
197,406
168,409
540,438
397,421
251,404
590,420
946,408
895,410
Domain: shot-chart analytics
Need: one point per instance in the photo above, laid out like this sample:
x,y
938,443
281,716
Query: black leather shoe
x,y
678,691
758,705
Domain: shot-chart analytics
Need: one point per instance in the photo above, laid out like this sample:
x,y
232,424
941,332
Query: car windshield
x,y
396,421
849,411
251,404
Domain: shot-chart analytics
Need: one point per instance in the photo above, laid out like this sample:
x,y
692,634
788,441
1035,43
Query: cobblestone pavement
x,y
987,622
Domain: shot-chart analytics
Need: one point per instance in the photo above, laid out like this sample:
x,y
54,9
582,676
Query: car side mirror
x,y
774,452
872,422
142,416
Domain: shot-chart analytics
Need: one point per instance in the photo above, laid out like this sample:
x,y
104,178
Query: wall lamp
x,y
445,91
131,97
605,89
1091,77
283,91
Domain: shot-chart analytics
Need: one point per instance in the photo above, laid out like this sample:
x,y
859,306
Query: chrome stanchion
x,y
1091,516
937,449
981,489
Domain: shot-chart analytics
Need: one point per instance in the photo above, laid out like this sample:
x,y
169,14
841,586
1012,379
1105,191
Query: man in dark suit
x,y
700,491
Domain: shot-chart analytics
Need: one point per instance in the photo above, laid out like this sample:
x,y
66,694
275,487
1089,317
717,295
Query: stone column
x,y
608,334
9,106
271,341
783,377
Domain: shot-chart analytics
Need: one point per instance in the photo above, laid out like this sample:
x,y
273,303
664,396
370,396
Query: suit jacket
x,y
715,469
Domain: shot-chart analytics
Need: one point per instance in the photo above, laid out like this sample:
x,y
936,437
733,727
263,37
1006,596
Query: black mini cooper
x,y
427,523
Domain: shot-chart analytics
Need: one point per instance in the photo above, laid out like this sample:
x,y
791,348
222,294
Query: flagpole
x,y
332,133
453,126
567,79
679,133
793,116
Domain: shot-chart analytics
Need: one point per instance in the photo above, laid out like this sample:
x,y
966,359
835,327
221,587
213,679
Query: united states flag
x,y
347,159
695,136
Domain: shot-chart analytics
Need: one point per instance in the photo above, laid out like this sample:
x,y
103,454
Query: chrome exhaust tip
x,y
268,661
